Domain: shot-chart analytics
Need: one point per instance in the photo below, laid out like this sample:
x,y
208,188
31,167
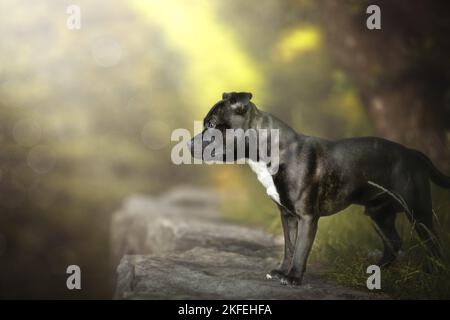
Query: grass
x,y
349,257
347,244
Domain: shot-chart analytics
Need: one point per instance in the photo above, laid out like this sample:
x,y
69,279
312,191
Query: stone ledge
x,y
170,250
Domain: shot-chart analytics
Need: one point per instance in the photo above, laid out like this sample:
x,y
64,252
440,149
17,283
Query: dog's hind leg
x,y
422,220
423,224
385,227
289,223
421,217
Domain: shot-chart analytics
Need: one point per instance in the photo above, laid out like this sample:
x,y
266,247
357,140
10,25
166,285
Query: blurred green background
x,y
86,117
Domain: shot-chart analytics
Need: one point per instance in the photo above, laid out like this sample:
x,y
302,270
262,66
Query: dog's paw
x,y
275,274
290,280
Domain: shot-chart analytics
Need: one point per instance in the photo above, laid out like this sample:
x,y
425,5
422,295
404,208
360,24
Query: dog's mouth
x,y
208,149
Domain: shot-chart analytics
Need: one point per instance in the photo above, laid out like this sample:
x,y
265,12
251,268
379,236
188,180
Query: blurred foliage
x,y
86,117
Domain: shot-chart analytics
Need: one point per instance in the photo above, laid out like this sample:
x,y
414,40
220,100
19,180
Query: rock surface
x,y
176,247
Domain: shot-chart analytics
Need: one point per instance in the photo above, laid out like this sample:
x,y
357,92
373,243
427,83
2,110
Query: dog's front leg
x,y
289,224
307,228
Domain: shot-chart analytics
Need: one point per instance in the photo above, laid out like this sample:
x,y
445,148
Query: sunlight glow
x,y
213,58
298,41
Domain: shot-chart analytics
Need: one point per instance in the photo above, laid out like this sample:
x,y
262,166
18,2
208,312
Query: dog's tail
x,y
435,175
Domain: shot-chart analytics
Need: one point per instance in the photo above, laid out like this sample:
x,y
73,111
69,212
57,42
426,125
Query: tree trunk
x,y
402,88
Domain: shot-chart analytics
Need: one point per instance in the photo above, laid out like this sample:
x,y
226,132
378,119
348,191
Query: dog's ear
x,y
239,101
227,95
244,97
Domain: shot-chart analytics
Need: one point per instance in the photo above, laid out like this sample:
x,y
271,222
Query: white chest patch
x,y
264,176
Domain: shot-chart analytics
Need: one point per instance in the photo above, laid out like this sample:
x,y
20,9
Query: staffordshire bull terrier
x,y
317,177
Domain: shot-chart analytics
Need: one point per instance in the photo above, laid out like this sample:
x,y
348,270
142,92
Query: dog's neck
x,y
288,137
265,120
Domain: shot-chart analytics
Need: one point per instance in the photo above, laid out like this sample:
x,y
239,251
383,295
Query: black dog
x,y
317,177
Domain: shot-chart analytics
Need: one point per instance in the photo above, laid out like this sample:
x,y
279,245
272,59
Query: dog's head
x,y
234,111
